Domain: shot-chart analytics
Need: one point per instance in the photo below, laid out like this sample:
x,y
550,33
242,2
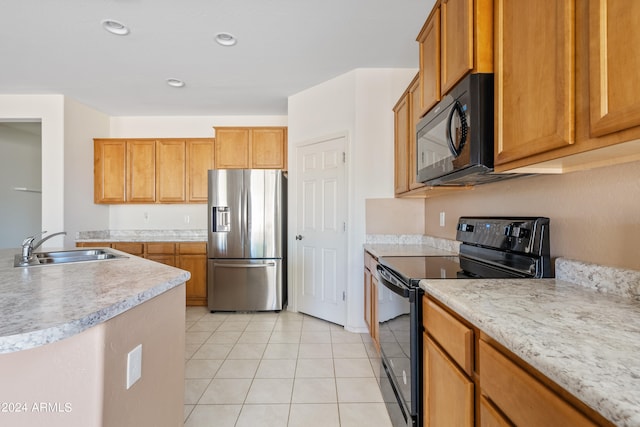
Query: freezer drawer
x,y
245,284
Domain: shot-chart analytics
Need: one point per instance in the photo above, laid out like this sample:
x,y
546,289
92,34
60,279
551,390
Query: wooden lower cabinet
x,y
371,297
472,381
193,258
448,392
190,256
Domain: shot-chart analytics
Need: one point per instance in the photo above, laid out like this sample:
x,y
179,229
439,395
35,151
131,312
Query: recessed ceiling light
x,y
115,27
175,82
226,39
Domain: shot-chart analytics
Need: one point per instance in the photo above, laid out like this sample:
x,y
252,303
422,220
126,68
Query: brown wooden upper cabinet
x,y
171,176
534,77
406,115
456,39
402,130
251,148
563,84
110,171
152,170
200,159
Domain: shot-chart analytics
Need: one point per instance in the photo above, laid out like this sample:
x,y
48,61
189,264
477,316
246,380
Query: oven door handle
x,y
392,283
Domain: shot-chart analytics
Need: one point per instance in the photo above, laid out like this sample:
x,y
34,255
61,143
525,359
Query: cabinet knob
x,y
299,237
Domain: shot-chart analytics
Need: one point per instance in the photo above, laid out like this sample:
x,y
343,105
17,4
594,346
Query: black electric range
x,y
491,247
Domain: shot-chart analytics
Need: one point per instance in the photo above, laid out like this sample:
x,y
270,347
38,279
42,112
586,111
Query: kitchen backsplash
x,y
141,235
611,280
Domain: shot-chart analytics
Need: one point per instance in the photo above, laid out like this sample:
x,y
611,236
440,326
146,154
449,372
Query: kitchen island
x,y
66,332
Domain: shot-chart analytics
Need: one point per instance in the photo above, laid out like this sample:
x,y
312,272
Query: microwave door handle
x,y
456,147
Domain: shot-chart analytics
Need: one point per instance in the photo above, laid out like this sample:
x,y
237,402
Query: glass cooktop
x,y
414,268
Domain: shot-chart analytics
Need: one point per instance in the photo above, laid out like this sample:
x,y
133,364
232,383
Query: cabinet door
x,y
448,397
268,148
429,39
171,175
109,180
193,258
534,78
232,148
490,416
199,160
401,144
141,171
367,299
614,60
375,325
414,118
197,284
457,41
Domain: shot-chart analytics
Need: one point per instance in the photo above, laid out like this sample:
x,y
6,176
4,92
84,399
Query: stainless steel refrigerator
x,y
247,240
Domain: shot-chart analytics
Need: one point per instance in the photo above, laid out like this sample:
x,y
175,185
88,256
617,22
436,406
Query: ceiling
x,y
283,47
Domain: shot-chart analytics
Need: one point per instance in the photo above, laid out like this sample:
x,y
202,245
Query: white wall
x,y
358,103
81,125
20,166
50,110
172,217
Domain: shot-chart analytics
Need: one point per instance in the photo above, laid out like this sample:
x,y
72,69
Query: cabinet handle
x,y
299,237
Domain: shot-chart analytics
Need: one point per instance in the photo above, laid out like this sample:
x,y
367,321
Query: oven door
x,y
401,349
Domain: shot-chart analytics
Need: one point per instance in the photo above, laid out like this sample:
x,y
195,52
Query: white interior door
x,y
321,238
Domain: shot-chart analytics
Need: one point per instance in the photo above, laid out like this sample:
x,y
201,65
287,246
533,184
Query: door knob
x,y
298,236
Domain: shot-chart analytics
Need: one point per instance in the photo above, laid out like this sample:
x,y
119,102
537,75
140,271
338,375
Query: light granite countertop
x,y
109,236
582,329
409,245
44,304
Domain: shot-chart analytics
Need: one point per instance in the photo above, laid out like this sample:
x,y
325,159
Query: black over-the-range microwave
x,y
455,138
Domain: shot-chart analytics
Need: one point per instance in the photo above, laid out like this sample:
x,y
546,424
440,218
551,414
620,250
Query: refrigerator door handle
x,y
266,264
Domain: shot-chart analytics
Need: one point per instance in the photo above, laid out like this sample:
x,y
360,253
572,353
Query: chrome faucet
x,y
28,246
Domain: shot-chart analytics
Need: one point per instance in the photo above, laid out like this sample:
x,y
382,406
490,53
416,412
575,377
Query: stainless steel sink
x,y
64,257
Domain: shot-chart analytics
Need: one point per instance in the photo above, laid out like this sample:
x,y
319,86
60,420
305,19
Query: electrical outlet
x,y
145,215
187,219
134,366
442,219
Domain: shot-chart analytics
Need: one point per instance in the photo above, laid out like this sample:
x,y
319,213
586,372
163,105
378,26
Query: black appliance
x,y
455,138
514,247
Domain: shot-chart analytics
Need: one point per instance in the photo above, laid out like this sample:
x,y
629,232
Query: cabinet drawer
x,y
192,248
161,248
130,247
452,335
520,397
93,245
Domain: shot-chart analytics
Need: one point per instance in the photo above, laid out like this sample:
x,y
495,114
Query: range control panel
x,y
529,235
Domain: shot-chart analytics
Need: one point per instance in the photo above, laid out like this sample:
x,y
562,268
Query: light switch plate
x,y
134,366
442,219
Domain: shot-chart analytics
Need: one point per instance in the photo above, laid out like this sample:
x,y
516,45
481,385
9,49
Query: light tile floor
x,y
278,370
